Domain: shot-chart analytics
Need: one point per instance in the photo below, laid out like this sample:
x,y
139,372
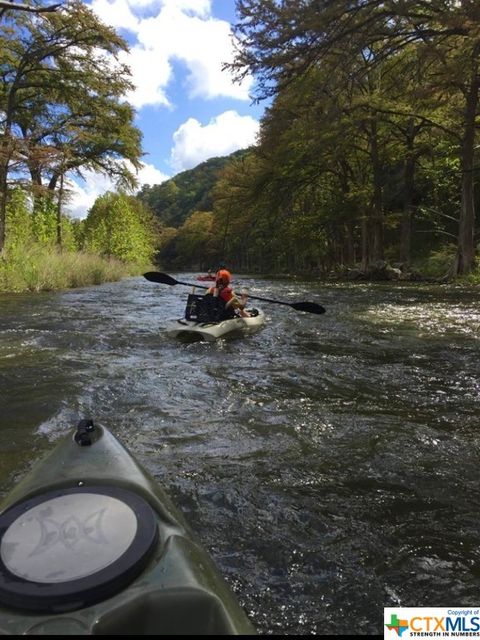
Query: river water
x,y
329,464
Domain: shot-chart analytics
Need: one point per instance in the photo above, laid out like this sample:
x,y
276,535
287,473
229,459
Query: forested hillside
x,y
174,200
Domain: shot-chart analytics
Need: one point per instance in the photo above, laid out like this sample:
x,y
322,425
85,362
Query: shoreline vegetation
x,y
40,268
82,270
47,251
48,269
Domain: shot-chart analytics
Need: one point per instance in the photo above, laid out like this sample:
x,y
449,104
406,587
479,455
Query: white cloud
x,y
149,174
128,14
95,184
164,31
194,143
206,78
150,79
198,7
117,14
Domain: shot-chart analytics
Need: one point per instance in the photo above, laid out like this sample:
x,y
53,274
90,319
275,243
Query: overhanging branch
x,y
4,5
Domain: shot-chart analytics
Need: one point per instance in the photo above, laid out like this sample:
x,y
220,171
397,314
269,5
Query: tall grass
x,y
40,268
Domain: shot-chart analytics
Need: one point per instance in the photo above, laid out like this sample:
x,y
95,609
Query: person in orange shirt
x,y
232,304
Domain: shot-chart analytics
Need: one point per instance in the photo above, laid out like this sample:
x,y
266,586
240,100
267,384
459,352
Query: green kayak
x,y
90,544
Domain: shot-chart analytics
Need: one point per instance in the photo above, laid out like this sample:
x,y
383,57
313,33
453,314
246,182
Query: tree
x,y
165,246
19,221
118,226
196,239
61,100
279,42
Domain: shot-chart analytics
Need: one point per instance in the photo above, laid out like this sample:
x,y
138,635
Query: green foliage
x,y
69,238
471,278
25,227
367,150
118,226
19,226
439,264
195,241
36,268
166,246
44,220
174,200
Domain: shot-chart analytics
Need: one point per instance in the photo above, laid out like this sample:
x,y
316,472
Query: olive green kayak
x,y
90,544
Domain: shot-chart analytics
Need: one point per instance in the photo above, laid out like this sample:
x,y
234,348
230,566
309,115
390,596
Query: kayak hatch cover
x,y
91,545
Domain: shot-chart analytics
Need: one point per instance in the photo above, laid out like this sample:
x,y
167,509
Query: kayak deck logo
x,y
424,622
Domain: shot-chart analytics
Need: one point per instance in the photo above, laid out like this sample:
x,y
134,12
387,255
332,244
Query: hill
x,y
174,200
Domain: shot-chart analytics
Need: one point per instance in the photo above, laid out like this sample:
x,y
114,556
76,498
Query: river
x,y
329,464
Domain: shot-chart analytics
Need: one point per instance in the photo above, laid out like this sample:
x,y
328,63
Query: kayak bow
x,y
90,544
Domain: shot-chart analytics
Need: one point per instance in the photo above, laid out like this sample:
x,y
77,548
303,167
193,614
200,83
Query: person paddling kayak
x,y
232,304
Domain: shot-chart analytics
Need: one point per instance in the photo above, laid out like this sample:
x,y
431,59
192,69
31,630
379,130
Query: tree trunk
x,y
349,244
408,189
347,230
37,191
377,246
365,243
465,261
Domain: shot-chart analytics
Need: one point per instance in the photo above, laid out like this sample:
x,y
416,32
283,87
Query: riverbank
x,y
42,269
385,273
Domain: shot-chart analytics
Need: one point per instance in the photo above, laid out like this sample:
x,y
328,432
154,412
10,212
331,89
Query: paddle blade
x,y
162,278
309,307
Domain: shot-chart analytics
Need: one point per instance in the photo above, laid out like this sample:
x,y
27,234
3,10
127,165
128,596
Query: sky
x,y
187,108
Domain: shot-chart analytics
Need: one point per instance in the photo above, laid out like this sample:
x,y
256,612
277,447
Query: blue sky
x,y
187,108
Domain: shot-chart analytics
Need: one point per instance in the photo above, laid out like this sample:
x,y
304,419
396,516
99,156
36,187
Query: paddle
x,y
163,278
